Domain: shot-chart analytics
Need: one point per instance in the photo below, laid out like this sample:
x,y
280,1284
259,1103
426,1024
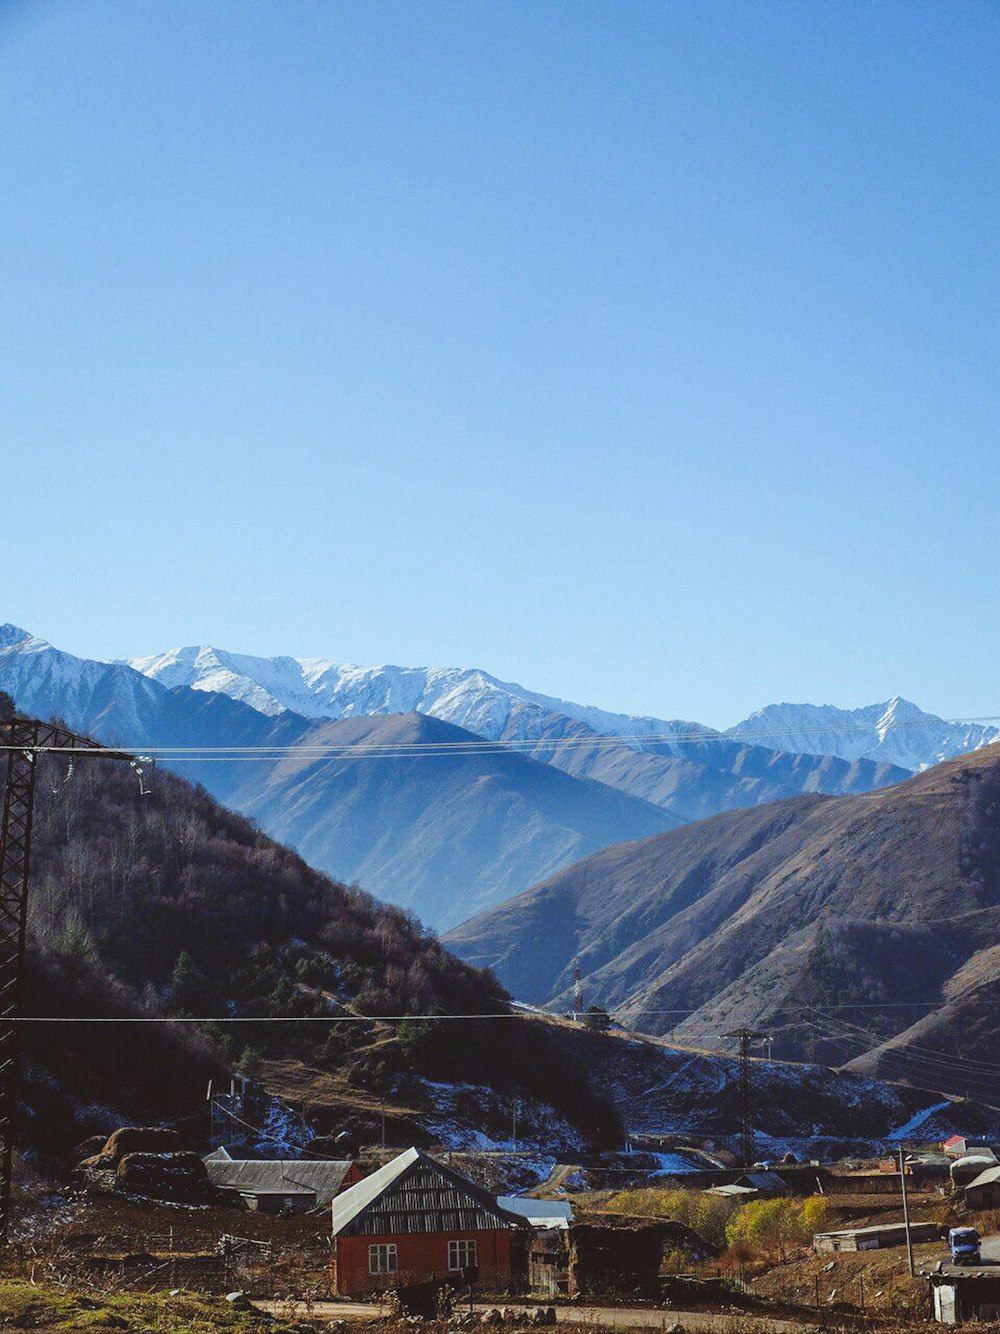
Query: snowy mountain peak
x,y
895,731
12,634
323,688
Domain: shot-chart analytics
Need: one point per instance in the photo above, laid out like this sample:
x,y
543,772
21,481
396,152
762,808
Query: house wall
x,y
983,1197
967,1299
420,1256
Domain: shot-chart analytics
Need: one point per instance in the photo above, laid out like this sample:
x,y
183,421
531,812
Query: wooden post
x,y
906,1214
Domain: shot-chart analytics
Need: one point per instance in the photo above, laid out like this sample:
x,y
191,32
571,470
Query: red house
x,y
415,1220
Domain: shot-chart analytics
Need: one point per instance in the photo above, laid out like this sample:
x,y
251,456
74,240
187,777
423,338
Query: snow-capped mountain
x,y
691,770
896,732
46,682
470,698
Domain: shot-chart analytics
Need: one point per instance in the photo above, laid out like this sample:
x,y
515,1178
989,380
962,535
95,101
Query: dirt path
x,y
610,1317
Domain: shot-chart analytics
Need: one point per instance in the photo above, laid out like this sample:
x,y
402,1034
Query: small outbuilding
x,y
876,1238
983,1192
960,1295
415,1221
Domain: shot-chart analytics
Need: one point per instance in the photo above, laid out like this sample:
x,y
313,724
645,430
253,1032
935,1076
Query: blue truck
x,y
963,1243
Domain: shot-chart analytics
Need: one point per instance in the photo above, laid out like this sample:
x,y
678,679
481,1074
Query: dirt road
x,y
608,1317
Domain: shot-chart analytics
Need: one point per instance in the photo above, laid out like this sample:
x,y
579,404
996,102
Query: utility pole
x,y
906,1213
577,993
24,741
747,1150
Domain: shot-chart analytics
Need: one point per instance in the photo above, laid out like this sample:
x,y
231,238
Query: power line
x,y
396,750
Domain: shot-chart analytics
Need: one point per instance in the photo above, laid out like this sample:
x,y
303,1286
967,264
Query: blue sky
x,y
643,353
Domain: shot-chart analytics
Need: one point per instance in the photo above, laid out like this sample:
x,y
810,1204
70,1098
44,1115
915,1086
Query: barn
x,y
280,1185
415,1220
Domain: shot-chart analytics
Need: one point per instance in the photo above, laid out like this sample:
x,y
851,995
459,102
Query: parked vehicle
x,y
963,1242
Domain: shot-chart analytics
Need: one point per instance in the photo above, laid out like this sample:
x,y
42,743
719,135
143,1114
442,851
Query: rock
x,y
831,1265
238,1300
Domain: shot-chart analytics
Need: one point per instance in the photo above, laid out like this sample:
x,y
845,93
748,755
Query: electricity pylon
x,y
746,1037
24,741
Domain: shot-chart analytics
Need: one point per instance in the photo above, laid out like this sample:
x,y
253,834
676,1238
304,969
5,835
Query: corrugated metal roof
x,y
319,1177
763,1181
539,1213
415,1193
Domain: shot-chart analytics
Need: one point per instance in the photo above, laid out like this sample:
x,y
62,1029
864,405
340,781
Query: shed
x,y
274,1185
968,1294
416,1220
876,1238
609,1256
983,1192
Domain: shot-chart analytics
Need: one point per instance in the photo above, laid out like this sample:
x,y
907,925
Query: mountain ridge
x,y
435,833
691,770
778,916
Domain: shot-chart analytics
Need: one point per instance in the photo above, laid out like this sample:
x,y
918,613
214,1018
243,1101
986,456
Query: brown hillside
x,y
800,916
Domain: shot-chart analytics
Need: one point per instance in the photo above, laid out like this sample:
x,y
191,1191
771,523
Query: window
x,y
382,1258
461,1254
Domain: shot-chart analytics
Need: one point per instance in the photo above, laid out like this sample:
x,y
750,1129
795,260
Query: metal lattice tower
x,y
746,1036
25,741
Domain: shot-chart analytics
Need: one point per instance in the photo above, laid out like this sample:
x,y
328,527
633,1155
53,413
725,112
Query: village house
x,y
275,1186
415,1220
957,1146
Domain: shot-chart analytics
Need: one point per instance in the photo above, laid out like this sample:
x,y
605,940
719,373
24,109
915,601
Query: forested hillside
x,y
166,905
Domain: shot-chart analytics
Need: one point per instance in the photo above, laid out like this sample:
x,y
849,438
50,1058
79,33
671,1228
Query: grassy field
x,y
24,1306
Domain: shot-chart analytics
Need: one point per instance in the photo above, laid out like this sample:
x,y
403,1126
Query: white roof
x,y
984,1178
350,1202
539,1213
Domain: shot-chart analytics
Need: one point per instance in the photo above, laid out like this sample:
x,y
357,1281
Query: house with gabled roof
x,y
280,1185
415,1220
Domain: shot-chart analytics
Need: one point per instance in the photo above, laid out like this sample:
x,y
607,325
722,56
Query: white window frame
x,y
383,1258
461,1254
